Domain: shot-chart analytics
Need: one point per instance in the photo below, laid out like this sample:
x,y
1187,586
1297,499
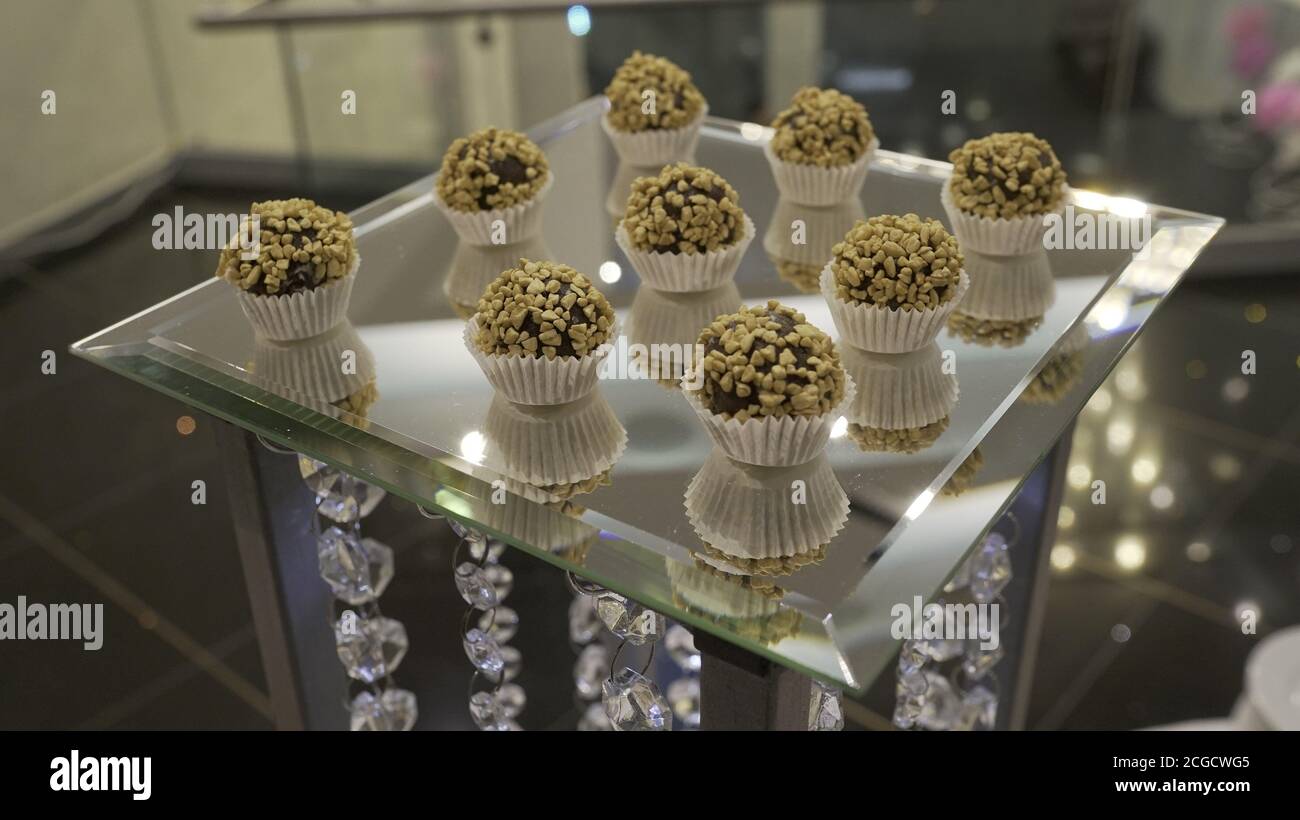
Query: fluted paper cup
x,y
897,391
1009,288
814,185
887,330
535,523
721,596
538,380
549,445
748,512
474,267
656,147
520,222
823,227
669,324
300,315
769,441
996,237
686,272
316,367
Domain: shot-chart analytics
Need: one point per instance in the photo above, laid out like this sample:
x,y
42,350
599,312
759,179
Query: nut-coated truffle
x,y
822,127
542,309
652,93
685,209
897,262
301,246
491,169
1006,175
768,361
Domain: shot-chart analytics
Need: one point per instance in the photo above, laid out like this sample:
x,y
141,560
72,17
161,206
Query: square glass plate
x,y
659,516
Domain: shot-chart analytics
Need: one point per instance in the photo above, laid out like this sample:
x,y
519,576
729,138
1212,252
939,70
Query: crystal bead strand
x,y
592,664
358,570
948,684
484,582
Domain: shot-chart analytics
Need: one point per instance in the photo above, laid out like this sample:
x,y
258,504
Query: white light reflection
x,y
610,271
473,446
918,506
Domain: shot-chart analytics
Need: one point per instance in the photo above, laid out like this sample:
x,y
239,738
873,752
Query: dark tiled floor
x,y
94,506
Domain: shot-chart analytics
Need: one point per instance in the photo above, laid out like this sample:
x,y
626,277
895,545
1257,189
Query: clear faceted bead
x,y
340,497
959,579
825,709
401,706
979,709
590,670
629,621
941,707
512,698
680,644
514,663
911,683
910,657
501,623
474,587
940,649
485,709
368,715
501,579
633,704
990,569
370,648
484,547
978,661
483,651
594,719
505,726
684,696
357,569
583,623
906,711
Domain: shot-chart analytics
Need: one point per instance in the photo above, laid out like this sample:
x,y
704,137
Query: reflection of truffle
x,y
673,102
1006,175
768,361
964,476
773,565
685,209
989,332
803,277
491,169
301,247
358,403
906,440
1057,377
745,606
542,309
821,127
897,262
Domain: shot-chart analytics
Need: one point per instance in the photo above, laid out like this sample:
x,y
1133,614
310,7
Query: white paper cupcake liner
x,y
898,391
473,267
656,147
813,185
748,511
520,222
538,380
768,441
686,272
823,228
300,315
564,444
723,598
534,523
884,330
315,367
1008,288
669,324
996,237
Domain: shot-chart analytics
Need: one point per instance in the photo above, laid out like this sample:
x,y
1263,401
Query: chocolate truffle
x,y
803,277
1057,378
685,209
301,246
673,102
776,565
897,262
491,169
768,361
822,127
1006,175
542,309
